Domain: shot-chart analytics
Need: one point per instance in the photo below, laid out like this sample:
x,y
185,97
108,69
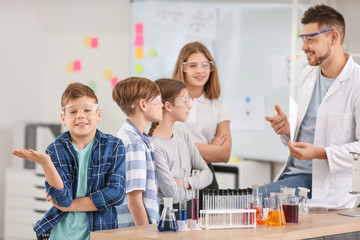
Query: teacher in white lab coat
x,y
328,124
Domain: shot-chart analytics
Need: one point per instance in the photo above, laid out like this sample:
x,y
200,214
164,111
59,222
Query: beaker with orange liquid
x,y
276,216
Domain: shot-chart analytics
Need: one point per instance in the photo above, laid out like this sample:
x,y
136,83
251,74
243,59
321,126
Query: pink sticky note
x,y
77,65
139,41
114,80
139,28
94,42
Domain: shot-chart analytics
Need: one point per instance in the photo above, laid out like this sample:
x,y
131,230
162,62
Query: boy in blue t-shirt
x,y
84,170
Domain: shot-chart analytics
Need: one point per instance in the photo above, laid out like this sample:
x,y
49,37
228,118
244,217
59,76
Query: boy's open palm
x,y
33,156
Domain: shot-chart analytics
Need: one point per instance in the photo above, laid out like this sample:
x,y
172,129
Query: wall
x,y
38,38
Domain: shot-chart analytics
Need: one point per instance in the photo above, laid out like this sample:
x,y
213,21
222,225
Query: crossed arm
x,y
220,148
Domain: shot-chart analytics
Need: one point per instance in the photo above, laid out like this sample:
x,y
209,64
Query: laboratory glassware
x,y
195,224
168,221
290,205
276,215
183,202
303,201
355,173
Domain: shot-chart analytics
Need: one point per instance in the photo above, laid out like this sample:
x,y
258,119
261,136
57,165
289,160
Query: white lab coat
x,y
337,130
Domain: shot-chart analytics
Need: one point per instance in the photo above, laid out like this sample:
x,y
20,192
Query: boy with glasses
x,y
84,170
329,110
140,99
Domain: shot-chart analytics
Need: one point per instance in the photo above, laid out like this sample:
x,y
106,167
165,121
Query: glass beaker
x,y
168,221
276,215
290,205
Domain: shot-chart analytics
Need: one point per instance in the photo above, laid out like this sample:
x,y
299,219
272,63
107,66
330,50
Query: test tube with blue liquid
x,y
183,204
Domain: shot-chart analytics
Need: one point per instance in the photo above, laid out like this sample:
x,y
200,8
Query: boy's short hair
x,y
75,91
128,91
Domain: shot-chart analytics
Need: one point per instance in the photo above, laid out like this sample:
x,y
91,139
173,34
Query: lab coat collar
x,y
343,76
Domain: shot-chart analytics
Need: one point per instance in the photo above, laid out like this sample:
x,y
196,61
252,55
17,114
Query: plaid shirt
x,y
106,181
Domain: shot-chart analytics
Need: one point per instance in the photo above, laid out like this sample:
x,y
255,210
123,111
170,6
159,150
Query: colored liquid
x,y
182,215
259,216
276,218
291,212
167,226
195,209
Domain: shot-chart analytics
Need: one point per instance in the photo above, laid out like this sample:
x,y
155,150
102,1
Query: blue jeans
x,y
291,181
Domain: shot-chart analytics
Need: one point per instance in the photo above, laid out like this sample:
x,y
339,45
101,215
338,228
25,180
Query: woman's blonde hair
x,y
212,87
128,91
169,89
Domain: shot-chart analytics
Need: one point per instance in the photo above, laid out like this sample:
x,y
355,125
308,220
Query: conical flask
x,y
167,221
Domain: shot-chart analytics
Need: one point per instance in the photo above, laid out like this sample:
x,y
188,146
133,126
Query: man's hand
x,y
305,151
279,122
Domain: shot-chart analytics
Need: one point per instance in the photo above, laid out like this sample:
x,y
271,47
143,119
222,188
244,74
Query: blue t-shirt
x,y
307,128
75,224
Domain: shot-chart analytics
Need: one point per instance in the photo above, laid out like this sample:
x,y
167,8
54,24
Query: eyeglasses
x,y
72,111
157,101
309,38
193,66
185,100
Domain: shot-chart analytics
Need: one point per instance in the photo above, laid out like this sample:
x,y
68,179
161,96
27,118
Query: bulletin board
x,y
250,43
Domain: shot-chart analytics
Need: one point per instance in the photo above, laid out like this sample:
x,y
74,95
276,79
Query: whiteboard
x,y
250,43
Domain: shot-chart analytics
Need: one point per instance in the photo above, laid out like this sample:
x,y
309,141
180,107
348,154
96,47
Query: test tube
x,y
195,225
183,201
245,206
205,204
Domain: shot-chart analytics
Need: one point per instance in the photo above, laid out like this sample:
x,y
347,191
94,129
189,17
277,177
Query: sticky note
x,y
138,68
92,85
139,41
107,73
298,31
86,41
139,28
77,65
139,53
94,42
114,80
70,66
152,53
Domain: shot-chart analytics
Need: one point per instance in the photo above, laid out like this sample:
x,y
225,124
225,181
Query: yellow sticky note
x,y
107,73
87,41
138,68
139,53
298,31
70,66
152,53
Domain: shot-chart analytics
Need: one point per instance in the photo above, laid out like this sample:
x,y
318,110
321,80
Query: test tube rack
x,y
227,218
